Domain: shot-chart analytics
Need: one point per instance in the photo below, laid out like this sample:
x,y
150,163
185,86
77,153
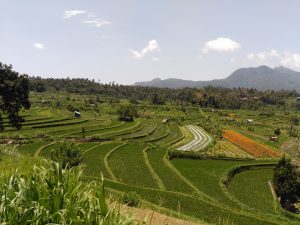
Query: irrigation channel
x,y
200,141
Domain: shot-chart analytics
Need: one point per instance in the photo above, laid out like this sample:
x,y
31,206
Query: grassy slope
x,y
128,165
251,188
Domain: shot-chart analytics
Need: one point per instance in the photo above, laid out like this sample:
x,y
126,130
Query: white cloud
x,y
90,19
70,13
273,58
264,56
291,60
151,47
95,21
220,44
39,46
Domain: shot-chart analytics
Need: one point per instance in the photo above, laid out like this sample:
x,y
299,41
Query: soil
x,y
154,218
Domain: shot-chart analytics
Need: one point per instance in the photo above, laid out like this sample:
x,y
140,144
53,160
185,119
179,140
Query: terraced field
x,y
134,158
200,139
253,148
226,149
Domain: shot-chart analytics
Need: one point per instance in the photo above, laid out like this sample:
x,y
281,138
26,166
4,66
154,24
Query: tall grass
x,y
52,195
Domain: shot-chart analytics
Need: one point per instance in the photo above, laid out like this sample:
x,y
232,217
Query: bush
x,y
127,111
130,199
68,155
285,182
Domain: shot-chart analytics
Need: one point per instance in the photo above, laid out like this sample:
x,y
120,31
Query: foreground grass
x,y
51,195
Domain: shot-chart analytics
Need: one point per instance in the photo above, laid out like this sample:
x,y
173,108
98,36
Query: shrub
x,y
68,155
285,181
130,199
127,111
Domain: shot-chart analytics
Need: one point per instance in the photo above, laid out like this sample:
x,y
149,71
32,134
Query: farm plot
x,y
253,148
147,129
185,138
206,174
47,151
170,179
94,159
31,148
126,128
200,141
128,165
83,147
226,149
160,132
252,189
100,129
174,136
196,208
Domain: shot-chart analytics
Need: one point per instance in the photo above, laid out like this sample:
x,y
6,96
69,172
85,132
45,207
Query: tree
x,y
157,100
285,181
14,93
277,131
68,155
127,111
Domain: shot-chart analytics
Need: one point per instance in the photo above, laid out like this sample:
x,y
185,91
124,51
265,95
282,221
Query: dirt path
x,y
155,218
272,189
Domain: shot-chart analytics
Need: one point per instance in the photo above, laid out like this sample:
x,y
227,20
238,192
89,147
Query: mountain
x,y
261,78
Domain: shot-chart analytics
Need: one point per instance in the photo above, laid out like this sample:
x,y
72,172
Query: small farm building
x,y
250,120
77,114
165,120
274,138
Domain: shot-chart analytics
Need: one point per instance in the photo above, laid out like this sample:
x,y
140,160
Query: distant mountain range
x,y
261,78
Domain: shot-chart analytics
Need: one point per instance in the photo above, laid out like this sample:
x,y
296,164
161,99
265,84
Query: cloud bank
x,y
274,57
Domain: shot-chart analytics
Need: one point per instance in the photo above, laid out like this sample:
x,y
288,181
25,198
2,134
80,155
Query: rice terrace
x,y
74,151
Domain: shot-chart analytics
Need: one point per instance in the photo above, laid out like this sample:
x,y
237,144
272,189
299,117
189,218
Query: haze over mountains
x,y
261,78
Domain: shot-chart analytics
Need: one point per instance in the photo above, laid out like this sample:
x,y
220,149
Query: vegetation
x,y
14,90
68,155
253,148
52,195
208,97
127,111
285,182
212,179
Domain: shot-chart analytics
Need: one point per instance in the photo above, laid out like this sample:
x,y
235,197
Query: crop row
x,y
253,148
226,149
201,140
147,129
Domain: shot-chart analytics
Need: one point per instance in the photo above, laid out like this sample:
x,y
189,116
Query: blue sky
x,y
127,41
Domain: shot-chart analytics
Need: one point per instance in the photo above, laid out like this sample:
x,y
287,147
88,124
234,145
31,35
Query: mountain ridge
x,y
261,78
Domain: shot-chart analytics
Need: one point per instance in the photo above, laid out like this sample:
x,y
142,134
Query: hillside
x,y
261,78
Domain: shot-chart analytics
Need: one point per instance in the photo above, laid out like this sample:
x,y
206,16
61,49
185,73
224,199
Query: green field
x,y
133,156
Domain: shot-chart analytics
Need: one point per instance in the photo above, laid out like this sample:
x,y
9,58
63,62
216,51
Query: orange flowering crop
x,y
253,148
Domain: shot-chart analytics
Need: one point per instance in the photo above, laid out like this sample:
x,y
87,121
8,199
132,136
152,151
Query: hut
x,y
165,120
77,114
274,138
250,120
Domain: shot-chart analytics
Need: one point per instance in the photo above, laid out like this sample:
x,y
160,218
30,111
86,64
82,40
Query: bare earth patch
x,y
154,218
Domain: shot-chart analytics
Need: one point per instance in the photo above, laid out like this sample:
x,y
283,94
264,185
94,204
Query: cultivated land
x,y
133,156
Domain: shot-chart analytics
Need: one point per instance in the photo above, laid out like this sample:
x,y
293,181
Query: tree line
x,y
208,97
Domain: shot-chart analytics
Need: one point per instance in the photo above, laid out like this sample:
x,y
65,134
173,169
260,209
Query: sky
x,y
137,40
